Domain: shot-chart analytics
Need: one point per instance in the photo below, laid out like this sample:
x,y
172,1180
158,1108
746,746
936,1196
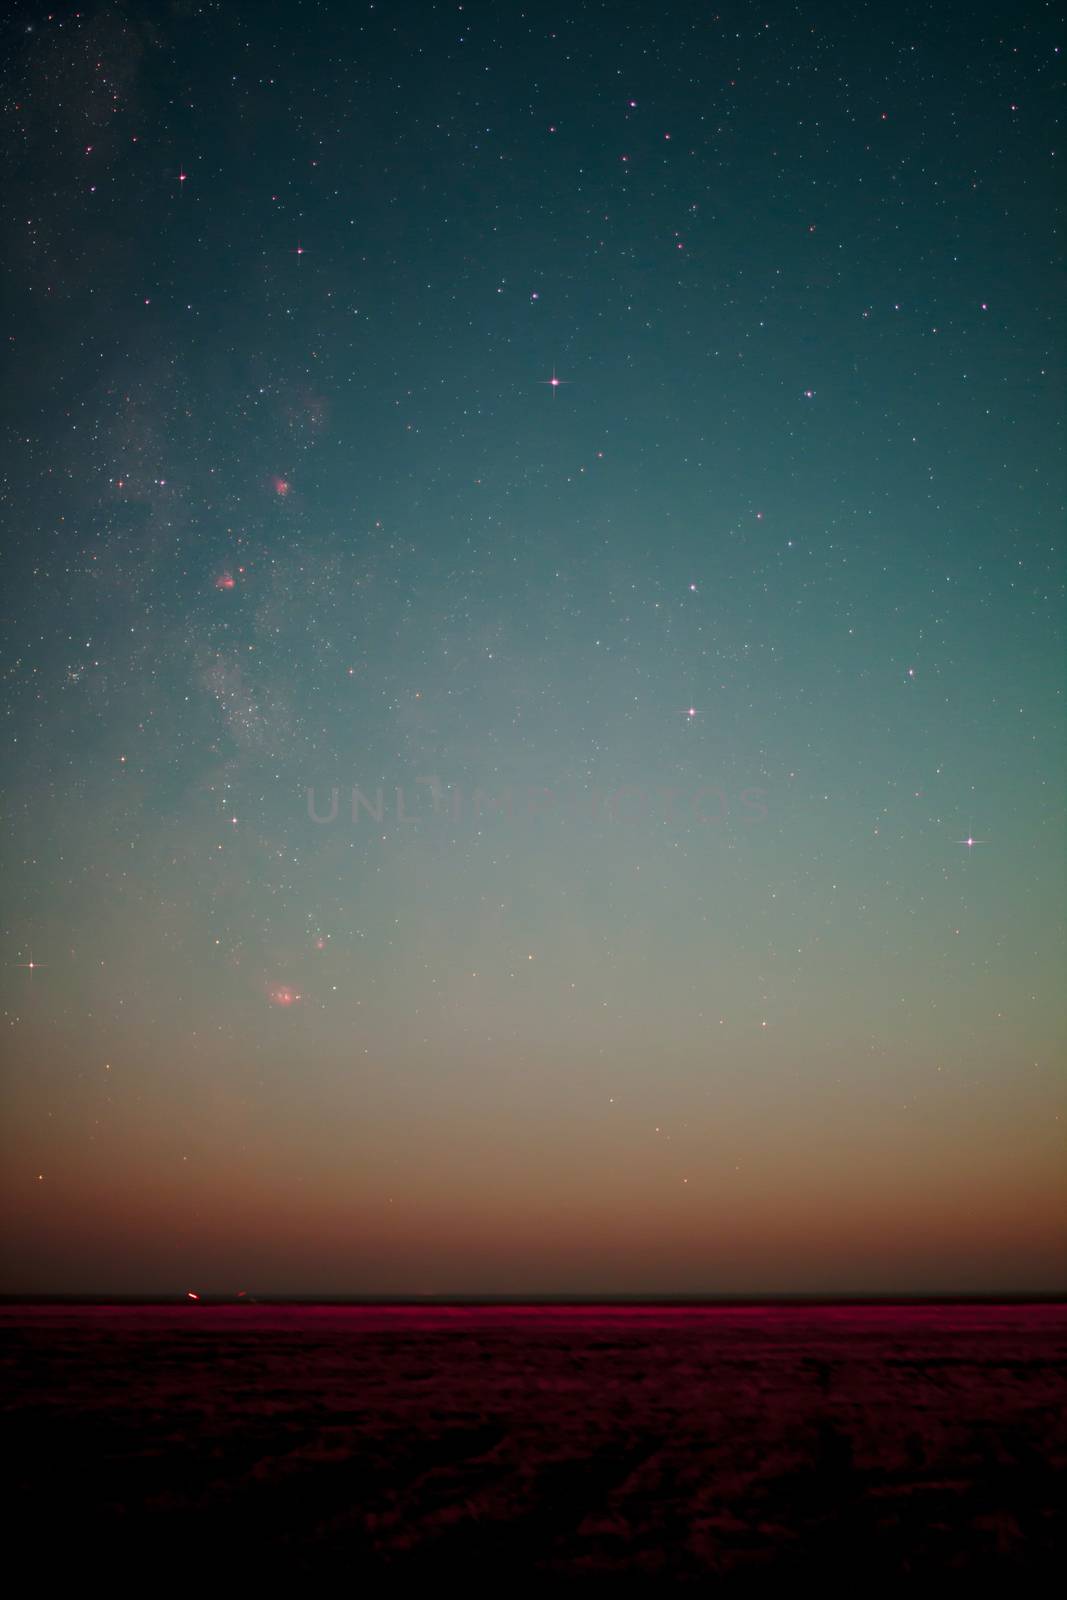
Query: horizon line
x,y
444,1300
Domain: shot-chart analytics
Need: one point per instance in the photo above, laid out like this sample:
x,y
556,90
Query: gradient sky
x,y
291,501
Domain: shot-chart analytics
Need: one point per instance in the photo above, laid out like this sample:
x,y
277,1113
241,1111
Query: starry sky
x,y
532,649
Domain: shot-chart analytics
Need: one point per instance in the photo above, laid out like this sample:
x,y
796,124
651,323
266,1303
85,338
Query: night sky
x,y
649,417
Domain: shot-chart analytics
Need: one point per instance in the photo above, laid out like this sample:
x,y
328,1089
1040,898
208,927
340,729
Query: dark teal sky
x,y
291,502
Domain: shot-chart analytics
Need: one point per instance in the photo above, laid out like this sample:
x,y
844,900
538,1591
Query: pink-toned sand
x,y
601,1446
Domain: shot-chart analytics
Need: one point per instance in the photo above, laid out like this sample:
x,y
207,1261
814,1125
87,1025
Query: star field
x,y
533,649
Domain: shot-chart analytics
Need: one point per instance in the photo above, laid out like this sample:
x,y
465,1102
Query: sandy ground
x,y
600,1448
